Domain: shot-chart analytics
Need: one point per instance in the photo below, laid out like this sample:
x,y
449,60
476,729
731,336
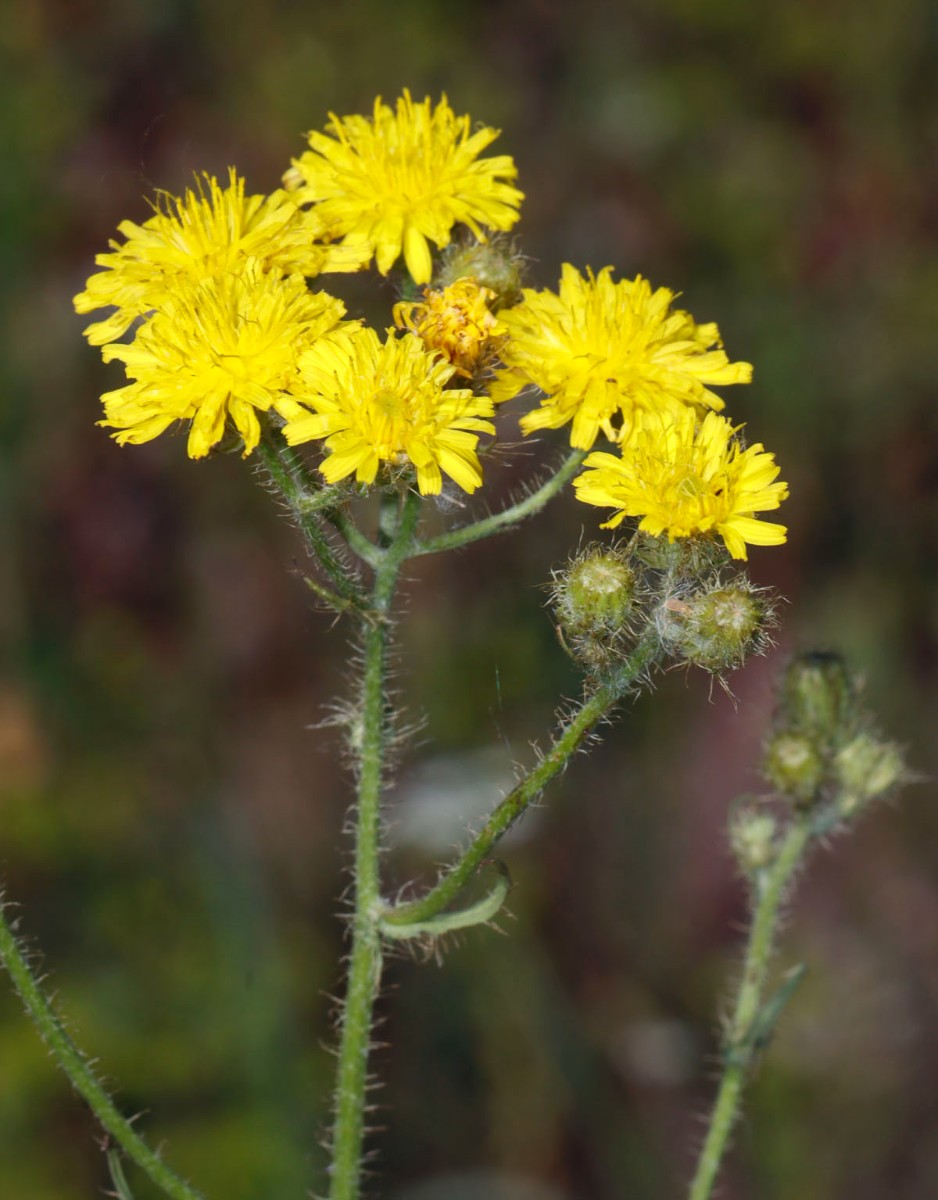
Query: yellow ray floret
x,y
602,350
457,321
683,479
221,349
387,402
404,177
210,230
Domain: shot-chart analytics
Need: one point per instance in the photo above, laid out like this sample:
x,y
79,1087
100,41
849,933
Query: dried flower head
x,y
456,321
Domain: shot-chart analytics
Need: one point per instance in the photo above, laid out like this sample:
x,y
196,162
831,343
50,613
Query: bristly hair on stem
x,y
77,1066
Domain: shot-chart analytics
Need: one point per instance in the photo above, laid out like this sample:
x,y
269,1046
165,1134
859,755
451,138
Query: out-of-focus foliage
x,y
170,821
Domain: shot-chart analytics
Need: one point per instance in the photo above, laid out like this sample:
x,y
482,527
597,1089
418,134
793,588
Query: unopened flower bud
x,y
818,696
492,264
794,765
866,768
752,837
593,600
716,629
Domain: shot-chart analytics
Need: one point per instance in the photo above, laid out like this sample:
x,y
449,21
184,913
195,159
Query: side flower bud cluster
x,y
609,597
825,753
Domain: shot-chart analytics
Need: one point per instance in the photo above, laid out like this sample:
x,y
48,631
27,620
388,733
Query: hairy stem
x,y
76,1067
507,517
365,961
597,705
282,466
742,1042
320,498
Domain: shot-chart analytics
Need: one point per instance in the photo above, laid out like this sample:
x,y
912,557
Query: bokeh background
x,y
171,803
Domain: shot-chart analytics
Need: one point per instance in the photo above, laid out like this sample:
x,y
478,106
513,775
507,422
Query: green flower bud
x,y
866,768
794,765
818,697
492,263
593,600
716,629
752,837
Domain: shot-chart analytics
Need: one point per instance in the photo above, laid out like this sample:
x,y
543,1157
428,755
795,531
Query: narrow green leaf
x,y
768,1016
476,914
121,1187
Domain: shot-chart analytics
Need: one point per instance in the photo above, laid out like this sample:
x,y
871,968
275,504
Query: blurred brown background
x,y
171,813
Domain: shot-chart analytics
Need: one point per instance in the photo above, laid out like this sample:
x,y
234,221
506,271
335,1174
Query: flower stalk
x,y
508,517
747,1034
593,709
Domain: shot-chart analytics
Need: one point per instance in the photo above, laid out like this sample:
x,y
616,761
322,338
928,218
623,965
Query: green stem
x,y
279,462
741,1048
510,516
365,961
583,721
315,497
75,1066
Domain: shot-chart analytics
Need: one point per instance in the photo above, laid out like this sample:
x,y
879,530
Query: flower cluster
x,y
210,308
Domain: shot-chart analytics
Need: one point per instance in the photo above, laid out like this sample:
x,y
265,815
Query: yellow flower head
x,y
602,351
224,347
684,479
388,402
209,230
456,321
402,178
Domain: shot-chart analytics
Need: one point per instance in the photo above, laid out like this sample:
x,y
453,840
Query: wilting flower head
x,y
602,351
388,402
456,321
224,347
683,479
402,178
209,230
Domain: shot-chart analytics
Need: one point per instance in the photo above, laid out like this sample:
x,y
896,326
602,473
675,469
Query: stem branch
x,y
584,720
527,507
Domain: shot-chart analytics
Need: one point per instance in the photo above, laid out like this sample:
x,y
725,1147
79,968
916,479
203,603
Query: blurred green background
x,y
171,805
